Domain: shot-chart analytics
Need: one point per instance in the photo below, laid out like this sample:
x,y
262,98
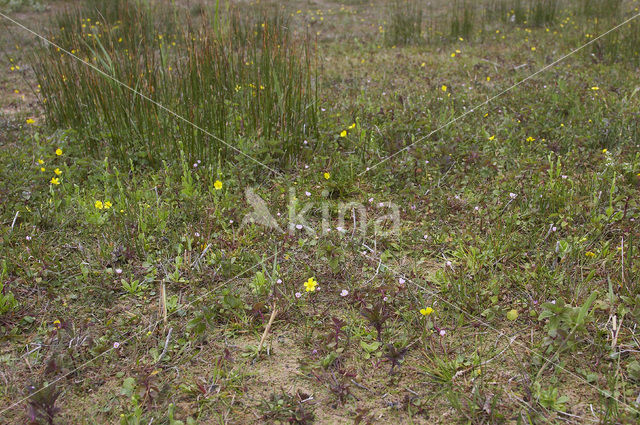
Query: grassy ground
x,y
481,265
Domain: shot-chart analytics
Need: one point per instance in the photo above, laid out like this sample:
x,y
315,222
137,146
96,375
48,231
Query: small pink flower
x,y
401,281
385,299
298,294
443,332
344,293
118,271
116,345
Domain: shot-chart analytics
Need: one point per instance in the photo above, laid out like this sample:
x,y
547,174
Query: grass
x,y
486,273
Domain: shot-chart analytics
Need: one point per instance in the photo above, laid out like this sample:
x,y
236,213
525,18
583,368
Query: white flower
x,y
308,193
298,226
344,293
118,271
298,294
116,345
401,281
425,237
196,234
28,237
443,332
513,195
448,263
279,281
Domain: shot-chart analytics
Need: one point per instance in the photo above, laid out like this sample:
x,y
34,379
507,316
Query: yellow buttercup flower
x,y
310,284
57,171
492,137
327,176
30,121
40,161
352,126
443,88
58,151
43,169
55,180
217,185
107,205
590,254
426,311
604,150
98,205
343,133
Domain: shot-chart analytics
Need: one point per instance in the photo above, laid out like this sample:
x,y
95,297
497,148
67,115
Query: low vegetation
x,y
367,212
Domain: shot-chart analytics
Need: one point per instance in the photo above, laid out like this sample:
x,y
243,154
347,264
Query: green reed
x,y
244,78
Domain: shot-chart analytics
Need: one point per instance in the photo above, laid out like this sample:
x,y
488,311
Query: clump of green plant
x,y
564,323
7,301
462,20
406,24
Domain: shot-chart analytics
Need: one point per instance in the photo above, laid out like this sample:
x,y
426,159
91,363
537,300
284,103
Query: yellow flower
x,y
352,126
343,133
604,150
30,120
58,151
453,55
43,169
443,88
533,49
57,323
107,205
530,139
57,171
40,162
55,180
594,88
589,254
488,78
217,185
310,284
327,176
423,64
492,137
98,205
426,311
